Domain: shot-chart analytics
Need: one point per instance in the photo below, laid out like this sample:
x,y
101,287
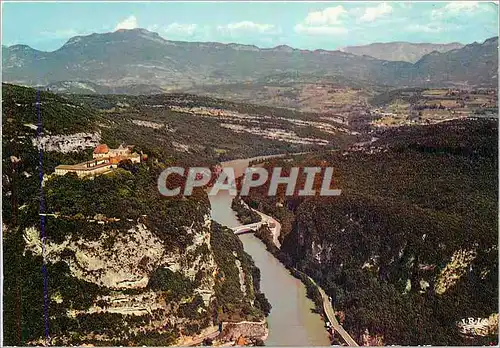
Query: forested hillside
x,y
409,249
124,265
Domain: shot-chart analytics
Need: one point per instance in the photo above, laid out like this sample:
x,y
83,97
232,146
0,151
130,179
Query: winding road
x,y
327,306
330,313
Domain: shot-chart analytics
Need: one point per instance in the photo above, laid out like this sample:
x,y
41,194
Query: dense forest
x,y
245,215
87,213
205,137
410,247
407,251
231,304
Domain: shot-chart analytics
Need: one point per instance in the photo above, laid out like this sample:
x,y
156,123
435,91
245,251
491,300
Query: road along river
x,y
291,321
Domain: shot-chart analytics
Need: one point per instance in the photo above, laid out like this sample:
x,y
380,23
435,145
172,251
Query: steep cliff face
x,y
66,143
106,260
123,278
123,267
126,259
396,273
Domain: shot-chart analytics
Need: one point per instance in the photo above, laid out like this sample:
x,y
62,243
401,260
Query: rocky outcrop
x,y
67,143
454,270
126,260
123,262
247,329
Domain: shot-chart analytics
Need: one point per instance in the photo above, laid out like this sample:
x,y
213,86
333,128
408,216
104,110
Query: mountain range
x,y
140,57
400,50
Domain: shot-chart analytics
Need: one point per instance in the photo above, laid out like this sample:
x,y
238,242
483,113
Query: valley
x,y
369,247
159,125
95,253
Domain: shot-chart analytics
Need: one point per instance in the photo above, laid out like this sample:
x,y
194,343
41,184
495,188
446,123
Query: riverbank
x,y
314,292
273,225
250,332
293,320
269,236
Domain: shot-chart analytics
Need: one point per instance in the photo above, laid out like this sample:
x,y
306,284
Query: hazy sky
x,y
327,25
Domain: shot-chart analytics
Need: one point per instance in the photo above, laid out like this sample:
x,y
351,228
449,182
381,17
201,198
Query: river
x,y
291,321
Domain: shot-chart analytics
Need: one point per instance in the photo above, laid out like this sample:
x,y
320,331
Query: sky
x,y
307,25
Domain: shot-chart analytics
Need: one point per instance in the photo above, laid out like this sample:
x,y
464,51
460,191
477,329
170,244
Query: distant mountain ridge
x,y
86,87
480,59
141,57
400,50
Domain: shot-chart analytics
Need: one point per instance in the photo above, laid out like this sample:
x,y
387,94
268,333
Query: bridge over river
x,y
266,220
250,228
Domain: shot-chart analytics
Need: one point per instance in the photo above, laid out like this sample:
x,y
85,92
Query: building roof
x,y
101,148
241,341
79,167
